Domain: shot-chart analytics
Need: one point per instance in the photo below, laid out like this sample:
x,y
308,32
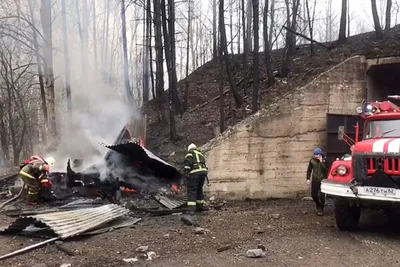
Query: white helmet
x,y
192,146
50,161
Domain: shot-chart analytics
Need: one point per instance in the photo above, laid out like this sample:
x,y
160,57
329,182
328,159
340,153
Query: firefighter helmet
x,y
191,147
50,161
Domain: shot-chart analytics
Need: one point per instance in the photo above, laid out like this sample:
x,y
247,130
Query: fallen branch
x,y
305,37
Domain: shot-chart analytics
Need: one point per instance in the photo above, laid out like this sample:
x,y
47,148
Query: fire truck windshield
x,y
382,128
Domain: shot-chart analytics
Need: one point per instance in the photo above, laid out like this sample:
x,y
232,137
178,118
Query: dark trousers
x,y
195,194
317,195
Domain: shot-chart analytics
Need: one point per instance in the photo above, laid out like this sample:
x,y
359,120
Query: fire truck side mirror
x,y
340,132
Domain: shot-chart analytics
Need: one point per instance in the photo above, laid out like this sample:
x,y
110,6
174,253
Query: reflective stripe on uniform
x,y
191,203
44,181
27,175
32,193
200,201
200,168
188,155
187,167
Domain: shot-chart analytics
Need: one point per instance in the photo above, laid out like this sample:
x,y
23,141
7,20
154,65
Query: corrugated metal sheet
x,y
70,223
170,203
137,152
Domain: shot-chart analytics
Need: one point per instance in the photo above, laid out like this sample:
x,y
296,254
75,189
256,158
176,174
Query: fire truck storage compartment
x,y
383,80
336,148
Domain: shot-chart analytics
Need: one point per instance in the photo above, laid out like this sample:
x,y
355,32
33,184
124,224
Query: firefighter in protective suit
x,y
195,167
34,175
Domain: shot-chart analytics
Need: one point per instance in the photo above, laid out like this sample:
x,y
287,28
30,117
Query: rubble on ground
x,y
132,183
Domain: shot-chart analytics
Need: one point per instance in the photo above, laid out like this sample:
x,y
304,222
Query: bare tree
x,y
236,96
128,91
378,28
221,80
388,14
214,31
67,63
311,19
290,39
45,13
146,36
342,29
189,36
94,35
245,44
159,59
267,32
168,56
39,66
256,67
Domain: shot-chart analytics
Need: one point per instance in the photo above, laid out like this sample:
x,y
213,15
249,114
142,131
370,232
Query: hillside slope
x,y
198,126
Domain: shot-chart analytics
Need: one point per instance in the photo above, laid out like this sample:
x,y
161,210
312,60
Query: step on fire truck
x,y
370,176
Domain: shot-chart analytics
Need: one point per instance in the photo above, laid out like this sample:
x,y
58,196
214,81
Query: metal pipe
x,y
22,250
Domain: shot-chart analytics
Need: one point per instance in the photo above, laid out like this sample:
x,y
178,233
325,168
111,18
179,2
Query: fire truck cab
x,y
370,176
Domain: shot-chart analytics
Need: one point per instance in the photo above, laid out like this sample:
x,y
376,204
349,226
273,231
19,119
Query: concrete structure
x,y
266,155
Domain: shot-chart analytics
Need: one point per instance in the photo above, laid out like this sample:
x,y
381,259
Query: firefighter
x,y
34,175
196,169
317,171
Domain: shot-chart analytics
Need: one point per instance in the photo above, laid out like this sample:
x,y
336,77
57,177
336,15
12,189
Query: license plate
x,y
378,191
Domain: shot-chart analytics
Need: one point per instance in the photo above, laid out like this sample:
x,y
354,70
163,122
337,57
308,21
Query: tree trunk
x,y
189,30
238,99
150,49
245,49
231,24
104,52
378,28
145,61
85,43
171,31
45,13
40,71
267,44
271,27
286,54
94,35
214,33
159,60
168,57
67,64
342,28
310,19
221,90
388,15
238,26
293,27
256,68
249,18
128,91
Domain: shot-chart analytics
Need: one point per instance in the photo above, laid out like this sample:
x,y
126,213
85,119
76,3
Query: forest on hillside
x,y
74,72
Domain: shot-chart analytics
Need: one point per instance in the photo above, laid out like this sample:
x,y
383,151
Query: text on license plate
x,y
379,191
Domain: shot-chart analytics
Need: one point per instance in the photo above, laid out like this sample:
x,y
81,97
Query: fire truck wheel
x,y
347,215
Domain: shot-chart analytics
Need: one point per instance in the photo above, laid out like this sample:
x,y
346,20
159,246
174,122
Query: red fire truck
x,y
370,176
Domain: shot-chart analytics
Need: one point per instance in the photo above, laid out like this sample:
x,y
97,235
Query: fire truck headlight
x,y
341,170
359,110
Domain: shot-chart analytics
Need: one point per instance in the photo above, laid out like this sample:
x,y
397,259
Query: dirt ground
x,y
289,229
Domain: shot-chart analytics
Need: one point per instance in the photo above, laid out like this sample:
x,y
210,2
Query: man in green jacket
x,y
317,170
